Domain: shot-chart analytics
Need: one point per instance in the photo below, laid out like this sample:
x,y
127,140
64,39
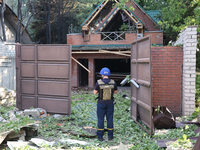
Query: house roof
x,y
11,17
138,15
150,15
153,14
98,47
105,47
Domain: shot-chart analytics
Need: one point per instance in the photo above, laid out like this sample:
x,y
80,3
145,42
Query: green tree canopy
x,y
178,15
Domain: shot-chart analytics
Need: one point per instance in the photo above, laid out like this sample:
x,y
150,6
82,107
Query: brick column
x,y
91,75
189,41
74,74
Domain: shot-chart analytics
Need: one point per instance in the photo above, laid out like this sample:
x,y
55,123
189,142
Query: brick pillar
x,y
189,41
91,75
74,74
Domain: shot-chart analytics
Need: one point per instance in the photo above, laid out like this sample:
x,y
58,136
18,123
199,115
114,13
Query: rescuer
x,y
105,88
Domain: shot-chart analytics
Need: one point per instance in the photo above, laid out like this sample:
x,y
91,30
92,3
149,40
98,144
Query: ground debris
x,y
7,97
163,118
13,145
85,131
37,144
12,134
122,147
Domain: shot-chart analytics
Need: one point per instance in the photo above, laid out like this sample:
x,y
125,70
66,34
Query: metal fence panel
x,y
141,98
43,76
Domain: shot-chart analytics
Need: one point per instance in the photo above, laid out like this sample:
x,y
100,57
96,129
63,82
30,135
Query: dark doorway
x,y
83,74
119,68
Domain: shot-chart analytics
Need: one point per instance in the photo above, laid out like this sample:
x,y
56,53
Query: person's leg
x,y
109,117
100,116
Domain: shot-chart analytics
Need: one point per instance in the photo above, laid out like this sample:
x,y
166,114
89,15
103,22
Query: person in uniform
x,y
105,88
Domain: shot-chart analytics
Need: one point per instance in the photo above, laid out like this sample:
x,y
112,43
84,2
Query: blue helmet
x,y
105,71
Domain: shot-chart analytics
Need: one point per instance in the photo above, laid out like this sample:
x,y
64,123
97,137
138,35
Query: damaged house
x,y
106,40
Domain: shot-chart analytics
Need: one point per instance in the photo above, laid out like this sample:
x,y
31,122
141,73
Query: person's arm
x,y
96,89
115,88
115,91
95,92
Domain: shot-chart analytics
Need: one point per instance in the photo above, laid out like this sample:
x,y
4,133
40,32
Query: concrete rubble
x,y
7,97
37,143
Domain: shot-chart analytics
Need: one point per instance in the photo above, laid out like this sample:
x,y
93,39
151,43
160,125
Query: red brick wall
x,y
95,39
167,77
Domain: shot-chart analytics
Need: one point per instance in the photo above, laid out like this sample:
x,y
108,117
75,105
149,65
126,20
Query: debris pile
x,y
7,97
163,118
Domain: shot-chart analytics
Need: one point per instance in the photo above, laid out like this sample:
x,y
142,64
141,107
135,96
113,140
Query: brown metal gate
x,y
141,98
43,76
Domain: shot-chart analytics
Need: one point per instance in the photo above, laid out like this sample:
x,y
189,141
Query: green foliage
x,y
197,94
49,128
122,5
182,143
198,57
152,4
178,133
15,124
178,15
84,114
125,27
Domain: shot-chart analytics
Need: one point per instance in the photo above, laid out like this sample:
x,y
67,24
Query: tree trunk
x,y
59,5
46,21
2,9
49,23
17,39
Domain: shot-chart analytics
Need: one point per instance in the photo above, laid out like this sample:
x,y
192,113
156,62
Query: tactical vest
x,y
106,90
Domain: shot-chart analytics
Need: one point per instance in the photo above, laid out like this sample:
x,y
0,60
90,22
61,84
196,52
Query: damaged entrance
x,y
83,74
119,68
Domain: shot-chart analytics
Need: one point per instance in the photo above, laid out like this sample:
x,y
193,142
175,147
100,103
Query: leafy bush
x,y
197,94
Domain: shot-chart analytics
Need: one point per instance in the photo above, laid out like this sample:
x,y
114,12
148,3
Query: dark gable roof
x,y
138,15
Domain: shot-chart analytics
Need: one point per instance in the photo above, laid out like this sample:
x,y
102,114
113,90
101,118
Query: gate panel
x,y
141,98
28,102
54,105
44,77
28,70
28,87
53,88
49,53
53,71
28,53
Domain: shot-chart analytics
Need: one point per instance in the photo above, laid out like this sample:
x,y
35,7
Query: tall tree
x,y
63,13
2,9
177,15
25,11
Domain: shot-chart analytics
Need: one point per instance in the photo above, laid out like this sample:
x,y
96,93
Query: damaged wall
x,y
95,39
188,38
166,74
167,77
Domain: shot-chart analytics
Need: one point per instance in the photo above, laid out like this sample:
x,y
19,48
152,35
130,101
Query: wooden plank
x,y
128,14
97,12
80,64
92,52
118,53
